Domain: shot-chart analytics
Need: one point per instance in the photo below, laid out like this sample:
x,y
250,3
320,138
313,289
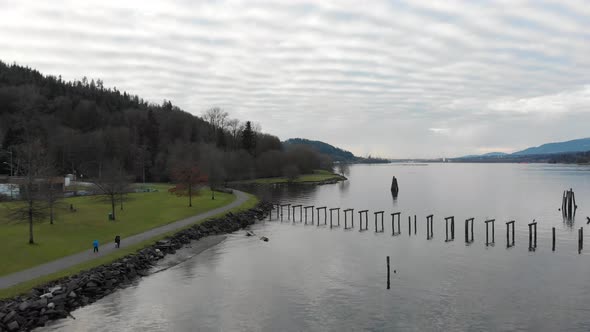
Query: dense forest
x,y
83,127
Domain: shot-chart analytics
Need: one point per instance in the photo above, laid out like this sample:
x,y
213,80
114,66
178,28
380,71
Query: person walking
x,y
117,241
95,245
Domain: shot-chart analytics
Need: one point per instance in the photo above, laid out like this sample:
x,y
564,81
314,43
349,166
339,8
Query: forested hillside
x,y
84,126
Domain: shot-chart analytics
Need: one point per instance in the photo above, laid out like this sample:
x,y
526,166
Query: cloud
x,y
370,78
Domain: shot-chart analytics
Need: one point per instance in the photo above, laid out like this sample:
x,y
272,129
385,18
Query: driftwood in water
x,y
394,187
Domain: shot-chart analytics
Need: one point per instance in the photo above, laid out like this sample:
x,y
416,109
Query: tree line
x,y
83,126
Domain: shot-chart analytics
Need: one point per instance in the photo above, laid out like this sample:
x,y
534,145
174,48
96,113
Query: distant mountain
x,y
337,154
577,145
569,151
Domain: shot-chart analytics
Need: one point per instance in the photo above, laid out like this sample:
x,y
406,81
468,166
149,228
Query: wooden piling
x,y
553,239
338,211
509,224
388,274
346,218
306,208
395,217
365,213
318,209
380,213
409,226
490,221
449,221
429,227
415,225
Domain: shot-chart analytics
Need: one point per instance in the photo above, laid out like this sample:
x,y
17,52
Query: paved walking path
x,y
105,249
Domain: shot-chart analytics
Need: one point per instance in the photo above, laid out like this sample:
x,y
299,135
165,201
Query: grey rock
x,y
23,306
46,295
72,294
13,326
50,305
9,317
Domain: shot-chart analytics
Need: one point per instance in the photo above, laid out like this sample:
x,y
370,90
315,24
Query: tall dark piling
x,y
409,226
379,213
553,239
395,217
394,187
346,218
288,206
388,274
415,225
568,204
580,240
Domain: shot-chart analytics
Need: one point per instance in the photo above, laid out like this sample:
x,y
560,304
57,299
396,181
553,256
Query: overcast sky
x,y
390,78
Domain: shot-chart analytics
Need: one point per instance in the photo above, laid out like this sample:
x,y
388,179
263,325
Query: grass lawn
x,y
316,176
28,285
74,232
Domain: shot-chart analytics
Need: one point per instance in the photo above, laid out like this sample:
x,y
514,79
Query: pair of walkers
x,y
117,243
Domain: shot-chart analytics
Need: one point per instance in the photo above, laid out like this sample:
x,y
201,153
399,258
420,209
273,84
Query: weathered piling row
x,y
488,222
338,212
396,217
429,227
56,299
346,218
361,214
306,208
509,225
533,236
300,212
450,221
325,215
380,213
468,226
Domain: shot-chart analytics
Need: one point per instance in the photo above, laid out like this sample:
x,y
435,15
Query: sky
x,y
397,79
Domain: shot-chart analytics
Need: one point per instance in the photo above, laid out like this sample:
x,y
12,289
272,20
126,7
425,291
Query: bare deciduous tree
x,y
114,184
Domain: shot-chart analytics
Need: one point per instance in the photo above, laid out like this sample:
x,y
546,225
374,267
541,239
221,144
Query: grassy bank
x,y
74,232
26,286
315,177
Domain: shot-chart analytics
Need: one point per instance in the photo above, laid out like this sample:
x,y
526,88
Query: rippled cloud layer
x,y
391,78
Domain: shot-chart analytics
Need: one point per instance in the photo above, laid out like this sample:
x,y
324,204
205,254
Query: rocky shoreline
x,y
58,298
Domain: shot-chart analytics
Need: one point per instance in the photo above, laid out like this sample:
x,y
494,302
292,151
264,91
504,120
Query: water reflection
x,y
314,278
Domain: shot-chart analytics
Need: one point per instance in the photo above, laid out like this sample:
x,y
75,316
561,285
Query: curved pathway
x,y
88,255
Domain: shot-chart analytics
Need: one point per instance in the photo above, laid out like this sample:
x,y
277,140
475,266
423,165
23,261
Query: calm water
x,y
314,278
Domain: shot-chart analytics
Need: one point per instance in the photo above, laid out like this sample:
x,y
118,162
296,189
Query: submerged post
x,y
429,226
415,225
468,222
338,211
306,208
325,215
533,236
346,218
553,239
382,226
395,217
300,212
509,224
452,224
388,274
409,226
490,221
394,187
365,213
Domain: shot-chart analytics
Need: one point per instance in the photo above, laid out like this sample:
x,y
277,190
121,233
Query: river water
x,y
310,278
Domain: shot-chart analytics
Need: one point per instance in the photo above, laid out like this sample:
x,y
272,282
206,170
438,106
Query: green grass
x,y
28,285
316,176
74,232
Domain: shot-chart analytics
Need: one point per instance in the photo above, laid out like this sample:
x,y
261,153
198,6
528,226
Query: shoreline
x,y
56,299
